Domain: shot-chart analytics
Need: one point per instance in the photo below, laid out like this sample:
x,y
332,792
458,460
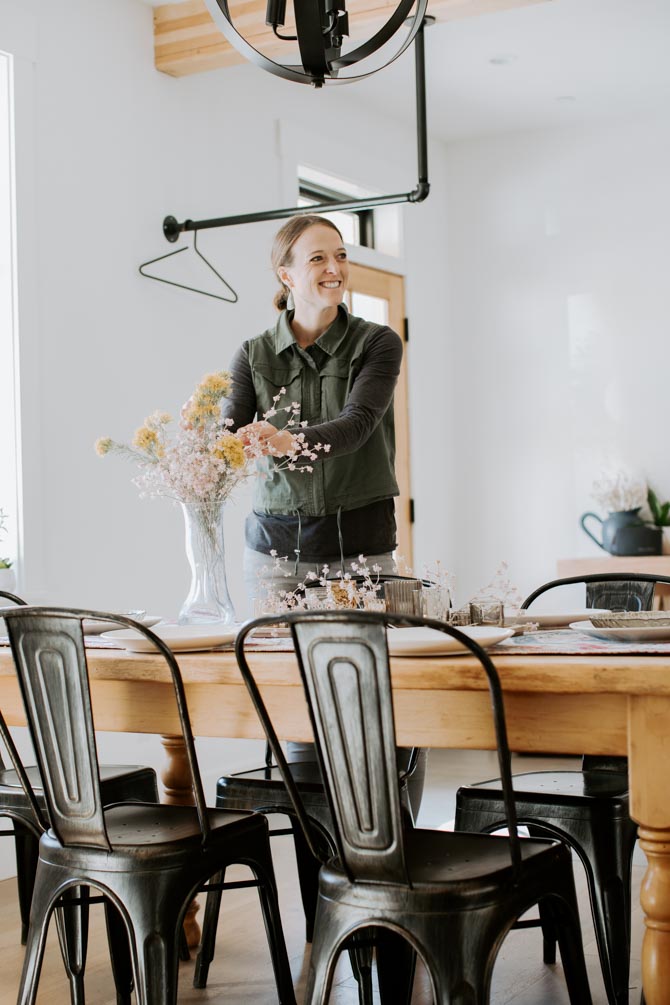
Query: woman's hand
x,y
264,438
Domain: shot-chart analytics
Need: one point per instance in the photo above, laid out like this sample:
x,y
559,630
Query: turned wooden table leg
x,y
176,779
649,776
655,900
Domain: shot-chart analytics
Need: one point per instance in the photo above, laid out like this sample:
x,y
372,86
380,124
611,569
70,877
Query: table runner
x,y
561,642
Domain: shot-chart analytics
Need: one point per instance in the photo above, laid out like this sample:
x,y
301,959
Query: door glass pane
x,y
371,308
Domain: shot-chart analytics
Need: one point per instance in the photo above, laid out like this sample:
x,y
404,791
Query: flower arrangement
x,y
205,461
5,563
619,491
200,466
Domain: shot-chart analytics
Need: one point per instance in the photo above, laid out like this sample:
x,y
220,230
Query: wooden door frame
x,y
390,287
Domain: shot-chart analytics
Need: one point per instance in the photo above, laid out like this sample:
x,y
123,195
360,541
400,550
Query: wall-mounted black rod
x,y
172,228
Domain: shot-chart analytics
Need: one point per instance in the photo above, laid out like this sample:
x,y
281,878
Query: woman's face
x,y
318,272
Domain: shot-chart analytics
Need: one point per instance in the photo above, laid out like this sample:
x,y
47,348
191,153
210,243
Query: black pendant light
x,y
317,38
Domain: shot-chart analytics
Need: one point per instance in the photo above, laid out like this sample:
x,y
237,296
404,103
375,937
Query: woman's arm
x,y
368,400
241,405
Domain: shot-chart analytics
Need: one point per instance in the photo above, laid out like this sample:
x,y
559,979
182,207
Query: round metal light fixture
x,y
317,37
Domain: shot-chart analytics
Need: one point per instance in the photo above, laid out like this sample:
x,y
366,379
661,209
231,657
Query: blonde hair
x,y
282,248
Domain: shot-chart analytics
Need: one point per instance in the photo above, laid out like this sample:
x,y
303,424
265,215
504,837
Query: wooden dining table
x,y
566,704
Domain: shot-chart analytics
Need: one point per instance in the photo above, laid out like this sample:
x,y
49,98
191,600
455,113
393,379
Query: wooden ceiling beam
x,y
187,41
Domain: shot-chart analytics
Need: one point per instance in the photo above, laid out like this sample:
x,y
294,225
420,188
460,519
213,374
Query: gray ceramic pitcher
x,y
624,533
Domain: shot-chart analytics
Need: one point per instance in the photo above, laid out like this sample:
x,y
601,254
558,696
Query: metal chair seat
x,y
449,871
578,791
587,809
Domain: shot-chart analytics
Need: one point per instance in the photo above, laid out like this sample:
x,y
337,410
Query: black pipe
x,y
172,228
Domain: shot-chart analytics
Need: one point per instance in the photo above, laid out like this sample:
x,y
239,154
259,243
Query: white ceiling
x,y
558,63
561,62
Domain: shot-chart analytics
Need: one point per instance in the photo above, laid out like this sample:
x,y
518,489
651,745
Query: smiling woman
x,y
341,371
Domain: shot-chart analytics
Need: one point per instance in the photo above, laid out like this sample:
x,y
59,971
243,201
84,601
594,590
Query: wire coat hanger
x,y
148,275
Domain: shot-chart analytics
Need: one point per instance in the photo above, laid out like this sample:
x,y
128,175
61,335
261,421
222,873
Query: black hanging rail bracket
x,y
172,228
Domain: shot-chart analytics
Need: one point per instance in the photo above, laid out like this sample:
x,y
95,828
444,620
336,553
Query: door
x,y
380,297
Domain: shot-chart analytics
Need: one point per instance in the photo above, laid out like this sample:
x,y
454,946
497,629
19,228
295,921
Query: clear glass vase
x,y
208,599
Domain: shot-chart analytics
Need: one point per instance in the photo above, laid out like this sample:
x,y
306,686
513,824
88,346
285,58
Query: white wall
x,y
558,324
106,147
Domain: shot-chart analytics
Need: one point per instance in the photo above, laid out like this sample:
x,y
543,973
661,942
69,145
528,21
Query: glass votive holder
x,y
373,603
435,603
399,595
489,613
460,617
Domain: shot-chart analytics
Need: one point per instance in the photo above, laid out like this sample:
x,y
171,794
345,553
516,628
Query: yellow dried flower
x,y
218,383
103,445
230,449
145,439
157,419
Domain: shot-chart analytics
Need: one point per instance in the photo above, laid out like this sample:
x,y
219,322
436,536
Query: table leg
x,y
655,900
649,774
176,779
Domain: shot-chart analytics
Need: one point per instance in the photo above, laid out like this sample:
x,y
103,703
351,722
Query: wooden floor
x,y
241,972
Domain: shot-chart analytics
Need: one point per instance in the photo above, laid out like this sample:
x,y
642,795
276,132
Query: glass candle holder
x,y
489,613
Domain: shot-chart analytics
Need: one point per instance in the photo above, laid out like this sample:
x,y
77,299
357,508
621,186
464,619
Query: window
x,y
8,355
356,226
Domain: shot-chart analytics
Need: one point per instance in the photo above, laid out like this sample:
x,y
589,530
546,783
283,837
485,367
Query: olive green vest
x,y
348,480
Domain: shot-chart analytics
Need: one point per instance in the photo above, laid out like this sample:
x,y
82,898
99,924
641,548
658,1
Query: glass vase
x,y
208,599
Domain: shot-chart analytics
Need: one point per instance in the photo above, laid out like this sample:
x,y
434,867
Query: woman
x,y
343,371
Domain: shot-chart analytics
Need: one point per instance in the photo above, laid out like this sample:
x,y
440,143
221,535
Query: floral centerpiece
x,y
199,467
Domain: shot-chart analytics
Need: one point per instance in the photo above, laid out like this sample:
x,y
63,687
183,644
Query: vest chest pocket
x,y
268,382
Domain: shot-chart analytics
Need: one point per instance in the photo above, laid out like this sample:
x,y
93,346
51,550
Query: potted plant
x,y
7,578
624,532
660,517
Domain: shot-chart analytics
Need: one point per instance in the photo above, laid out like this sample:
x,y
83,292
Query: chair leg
x,y
27,851
360,956
260,863
155,923
209,926
566,913
119,951
549,936
308,876
40,912
396,964
609,889
72,923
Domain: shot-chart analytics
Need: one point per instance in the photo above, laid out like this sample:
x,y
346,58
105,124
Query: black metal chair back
x,y
346,678
344,666
627,591
48,649
5,595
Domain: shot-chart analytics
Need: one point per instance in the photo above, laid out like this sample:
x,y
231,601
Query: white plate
x,y
553,619
639,634
94,626
180,638
431,642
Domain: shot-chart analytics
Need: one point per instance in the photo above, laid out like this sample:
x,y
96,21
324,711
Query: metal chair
x,y
588,809
148,860
263,790
449,897
119,783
